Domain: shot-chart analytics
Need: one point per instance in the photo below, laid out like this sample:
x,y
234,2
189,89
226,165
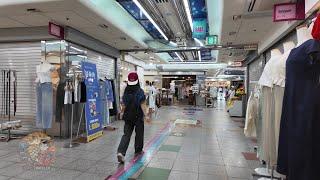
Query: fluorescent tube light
x,y
199,42
179,56
187,7
199,54
150,19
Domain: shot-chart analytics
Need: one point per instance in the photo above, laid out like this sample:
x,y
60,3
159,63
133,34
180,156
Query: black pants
x,y
138,125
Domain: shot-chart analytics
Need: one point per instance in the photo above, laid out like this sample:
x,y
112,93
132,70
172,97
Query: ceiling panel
x,y
32,19
9,23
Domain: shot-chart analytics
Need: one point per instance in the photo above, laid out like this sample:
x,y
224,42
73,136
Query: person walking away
x,y
133,101
152,100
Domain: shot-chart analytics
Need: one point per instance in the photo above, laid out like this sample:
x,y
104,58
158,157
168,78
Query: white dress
x,y
152,97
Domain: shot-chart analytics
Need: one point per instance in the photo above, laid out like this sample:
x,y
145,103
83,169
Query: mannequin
x,y
303,34
266,77
44,95
279,71
275,52
264,128
287,46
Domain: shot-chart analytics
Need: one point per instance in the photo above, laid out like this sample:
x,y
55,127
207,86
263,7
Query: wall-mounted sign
x,y
289,11
56,30
199,28
212,40
236,64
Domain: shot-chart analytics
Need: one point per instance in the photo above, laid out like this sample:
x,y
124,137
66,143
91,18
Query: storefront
x,y
26,53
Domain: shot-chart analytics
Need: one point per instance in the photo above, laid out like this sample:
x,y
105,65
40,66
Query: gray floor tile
x,y
80,165
237,172
166,155
87,176
161,163
13,170
236,161
185,166
212,177
38,174
4,164
178,175
103,168
211,159
4,177
65,174
212,169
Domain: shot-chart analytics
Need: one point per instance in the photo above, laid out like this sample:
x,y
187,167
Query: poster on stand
x,y
92,108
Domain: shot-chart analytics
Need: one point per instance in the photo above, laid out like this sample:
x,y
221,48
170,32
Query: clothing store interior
x,y
159,89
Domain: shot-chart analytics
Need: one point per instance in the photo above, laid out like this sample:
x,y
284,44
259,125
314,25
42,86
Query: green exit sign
x,y
212,40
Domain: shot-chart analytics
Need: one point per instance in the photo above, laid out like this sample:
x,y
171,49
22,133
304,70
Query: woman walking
x,y
133,102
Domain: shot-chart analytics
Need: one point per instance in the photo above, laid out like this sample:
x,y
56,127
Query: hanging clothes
x,y
251,116
299,147
110,94
83,94
44,105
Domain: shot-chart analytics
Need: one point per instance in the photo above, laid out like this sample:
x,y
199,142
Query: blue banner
x,y
199,28
93,109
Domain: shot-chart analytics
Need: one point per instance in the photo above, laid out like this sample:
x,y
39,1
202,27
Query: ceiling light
x,y
229,63
150,19
173,44
187,8
199,54
199,42
180,58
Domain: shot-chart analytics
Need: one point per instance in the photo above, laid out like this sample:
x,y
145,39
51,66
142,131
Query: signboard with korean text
x,y
199,28
56,30
289,12
93,111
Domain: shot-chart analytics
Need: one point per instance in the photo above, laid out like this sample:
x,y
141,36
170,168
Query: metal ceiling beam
x,y
151,7
182,15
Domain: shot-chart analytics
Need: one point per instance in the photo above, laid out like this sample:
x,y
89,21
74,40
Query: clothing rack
x,y
73,73
8,97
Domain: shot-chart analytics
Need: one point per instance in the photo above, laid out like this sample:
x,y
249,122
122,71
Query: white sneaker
x,y
120,158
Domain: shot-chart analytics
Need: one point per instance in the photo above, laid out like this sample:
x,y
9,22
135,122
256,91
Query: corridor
x,y
181,143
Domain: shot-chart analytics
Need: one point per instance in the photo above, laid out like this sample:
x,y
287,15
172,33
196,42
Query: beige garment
x,y
271,117
278,93
267,127
251,117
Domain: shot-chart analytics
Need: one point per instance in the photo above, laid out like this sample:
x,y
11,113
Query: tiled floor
x,y
212,150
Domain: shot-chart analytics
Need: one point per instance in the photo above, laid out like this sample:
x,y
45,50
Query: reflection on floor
x,y
214,148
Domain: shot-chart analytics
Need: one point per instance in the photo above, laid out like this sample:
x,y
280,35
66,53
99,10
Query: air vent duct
x,y
161,1
251,5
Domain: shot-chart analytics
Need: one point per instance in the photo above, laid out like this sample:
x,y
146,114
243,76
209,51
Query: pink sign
x,y
56,30
288,12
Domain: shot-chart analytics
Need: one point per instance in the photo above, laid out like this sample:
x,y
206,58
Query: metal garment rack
x,y
9,83
72,77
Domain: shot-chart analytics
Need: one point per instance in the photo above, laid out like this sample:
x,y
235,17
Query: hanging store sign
x,y
236,64
289,12
199,28
56,30
212,40
93,109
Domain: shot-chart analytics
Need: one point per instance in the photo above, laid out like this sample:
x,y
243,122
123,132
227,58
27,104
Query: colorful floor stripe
x,y
139,161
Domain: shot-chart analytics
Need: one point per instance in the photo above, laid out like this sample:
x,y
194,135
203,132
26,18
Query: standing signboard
x,y
92,107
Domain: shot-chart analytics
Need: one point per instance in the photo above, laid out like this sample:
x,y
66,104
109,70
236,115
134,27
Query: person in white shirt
x,y
152,99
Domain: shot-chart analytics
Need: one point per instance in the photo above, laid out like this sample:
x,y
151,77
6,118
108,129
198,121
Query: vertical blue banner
x,y
93,109
199,28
